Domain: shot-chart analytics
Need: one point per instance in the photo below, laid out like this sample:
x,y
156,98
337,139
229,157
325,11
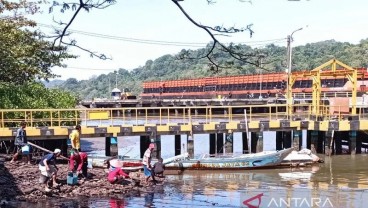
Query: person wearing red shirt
x,y
79,162
116,175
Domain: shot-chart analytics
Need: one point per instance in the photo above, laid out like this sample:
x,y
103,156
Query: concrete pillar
x,y
177,145
212,144
297,140
286,139
245,142
157,151
63,147
328,146
144,143
308,140
314,141
360,136
320,142
220,143
111,146
68,147
254,141
338,143
279,140
190,146
260,142
229,143
352,143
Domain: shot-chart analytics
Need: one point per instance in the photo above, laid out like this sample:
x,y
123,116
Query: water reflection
x,y
117,203
148,199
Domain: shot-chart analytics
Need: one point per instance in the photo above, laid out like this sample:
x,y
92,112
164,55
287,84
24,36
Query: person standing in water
x,y
147,157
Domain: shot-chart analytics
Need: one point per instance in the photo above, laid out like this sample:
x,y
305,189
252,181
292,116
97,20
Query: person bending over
x,y
79,162
159,168
116,176
48,168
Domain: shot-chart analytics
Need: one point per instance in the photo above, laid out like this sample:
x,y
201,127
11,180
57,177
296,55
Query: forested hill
x,y
168,67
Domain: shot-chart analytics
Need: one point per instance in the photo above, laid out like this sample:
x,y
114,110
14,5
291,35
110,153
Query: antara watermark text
x,y
300,202
261,200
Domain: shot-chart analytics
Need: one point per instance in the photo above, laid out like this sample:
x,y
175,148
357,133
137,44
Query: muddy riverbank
x,y
20,182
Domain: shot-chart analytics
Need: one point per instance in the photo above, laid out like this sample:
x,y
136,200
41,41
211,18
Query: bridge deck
x,y
58,123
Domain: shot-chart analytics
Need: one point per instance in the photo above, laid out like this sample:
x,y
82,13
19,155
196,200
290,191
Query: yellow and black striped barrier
x,y
187,128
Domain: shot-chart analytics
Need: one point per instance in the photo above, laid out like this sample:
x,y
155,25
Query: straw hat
x,y
116,163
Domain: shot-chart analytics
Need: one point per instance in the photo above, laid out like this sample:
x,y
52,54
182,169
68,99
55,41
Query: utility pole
x,y
289,98
116,79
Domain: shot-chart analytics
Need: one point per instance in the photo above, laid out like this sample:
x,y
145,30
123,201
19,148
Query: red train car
x,y
245,86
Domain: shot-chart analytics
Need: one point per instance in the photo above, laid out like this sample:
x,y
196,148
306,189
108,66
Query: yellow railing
x,y
323,95
165,115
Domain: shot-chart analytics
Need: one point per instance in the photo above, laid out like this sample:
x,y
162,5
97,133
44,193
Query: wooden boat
x,y
244,161
128,164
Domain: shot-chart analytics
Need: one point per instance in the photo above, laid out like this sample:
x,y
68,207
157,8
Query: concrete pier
x,y
111,146
279,140
212,141
320,142
283,140
157,150
190,146
253,142
338,143
177,145
229,148
359,141
144,143
245,143
353,141
260,142
297,140
287,140
220,143
327,143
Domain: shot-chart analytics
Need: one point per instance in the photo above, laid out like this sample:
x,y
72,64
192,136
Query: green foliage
x,y
25,56
35,96
168,67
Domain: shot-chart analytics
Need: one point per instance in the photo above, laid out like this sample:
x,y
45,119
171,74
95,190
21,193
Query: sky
x,y
161,20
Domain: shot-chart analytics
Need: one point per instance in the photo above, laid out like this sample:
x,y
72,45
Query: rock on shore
x,y
19,181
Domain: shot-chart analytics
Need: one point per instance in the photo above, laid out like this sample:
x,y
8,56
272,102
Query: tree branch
x,y
216,43
87,5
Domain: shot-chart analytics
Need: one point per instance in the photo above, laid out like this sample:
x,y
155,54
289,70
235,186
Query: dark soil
x,y
20,181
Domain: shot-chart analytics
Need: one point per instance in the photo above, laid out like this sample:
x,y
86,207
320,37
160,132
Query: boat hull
x,y
249,161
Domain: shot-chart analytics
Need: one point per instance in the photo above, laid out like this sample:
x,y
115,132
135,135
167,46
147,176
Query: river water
x,y
342,181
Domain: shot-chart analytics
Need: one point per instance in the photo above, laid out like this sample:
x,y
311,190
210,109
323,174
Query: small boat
x,y
301,158
177,158
244,161
126,165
